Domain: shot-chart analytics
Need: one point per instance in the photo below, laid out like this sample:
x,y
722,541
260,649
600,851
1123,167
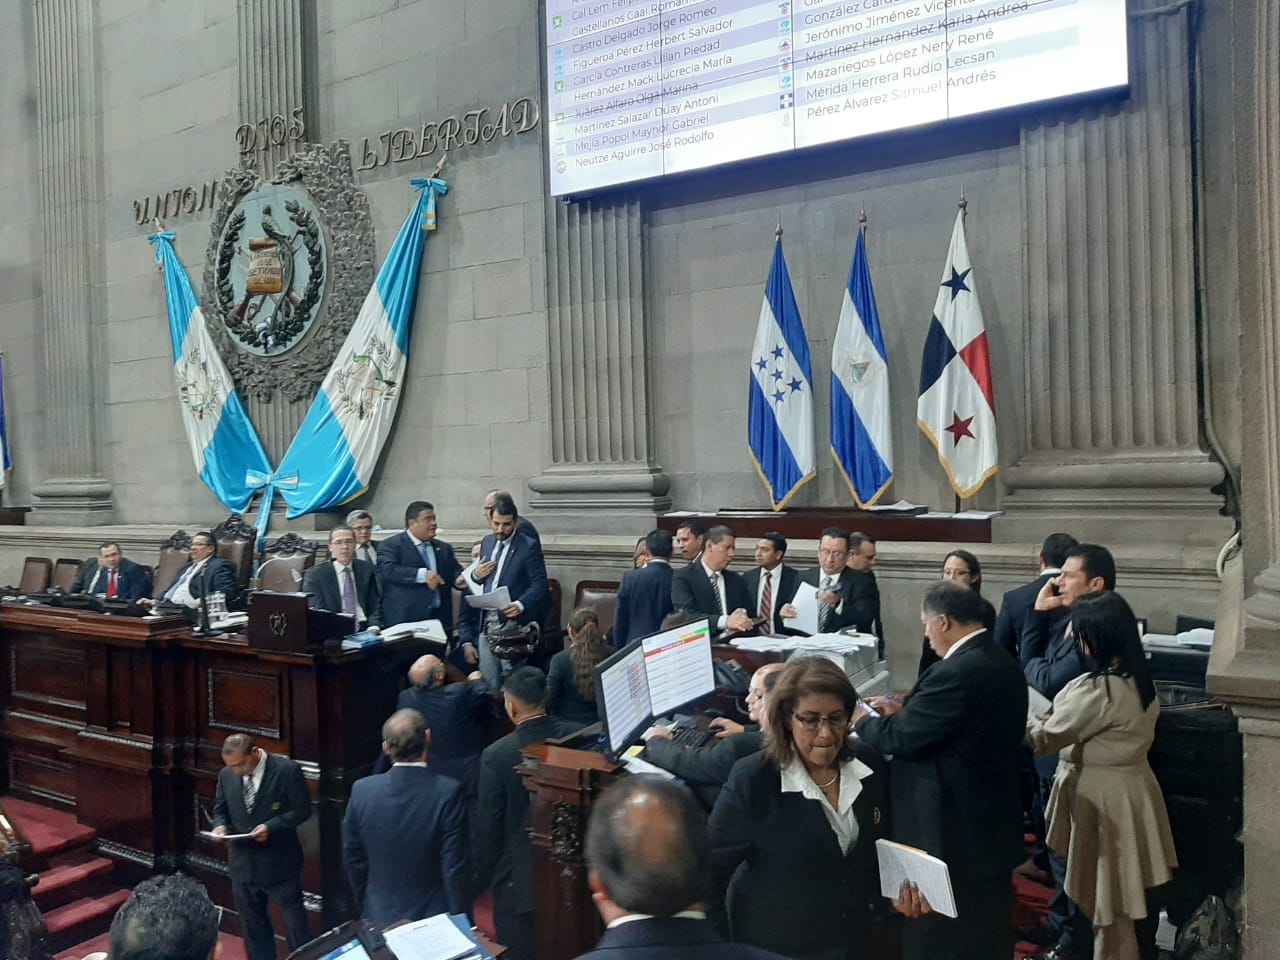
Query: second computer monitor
x,y
677,665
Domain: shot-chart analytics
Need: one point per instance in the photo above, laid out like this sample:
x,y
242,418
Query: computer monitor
x,y
677,664
622,697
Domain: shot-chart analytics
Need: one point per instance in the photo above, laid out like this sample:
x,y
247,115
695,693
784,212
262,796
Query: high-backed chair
x,y
237,542
600,596
174,555
284,560
36,572
64,574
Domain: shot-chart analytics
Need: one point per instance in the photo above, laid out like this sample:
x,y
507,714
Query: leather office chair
x,y
174,554
237,543
600,596
36,572
64,574
284,561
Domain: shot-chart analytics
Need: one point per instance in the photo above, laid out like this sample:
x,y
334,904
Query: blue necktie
x,y
428,554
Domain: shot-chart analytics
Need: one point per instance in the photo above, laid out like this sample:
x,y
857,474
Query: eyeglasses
x,y
811,721
832,554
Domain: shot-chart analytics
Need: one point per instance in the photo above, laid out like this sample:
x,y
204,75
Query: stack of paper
x,y
436,938
423,629
899,863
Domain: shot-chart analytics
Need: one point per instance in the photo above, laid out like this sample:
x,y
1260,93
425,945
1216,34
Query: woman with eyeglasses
x,y
1106,813
795,826
962,567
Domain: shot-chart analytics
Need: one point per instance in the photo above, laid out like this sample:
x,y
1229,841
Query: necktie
x,y
348,592
498,549
825,609
766,597
111,583
367,554
250,791
428,556
715,588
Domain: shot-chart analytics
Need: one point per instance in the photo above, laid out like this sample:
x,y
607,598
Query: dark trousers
x,y
981,931
514,929
251,904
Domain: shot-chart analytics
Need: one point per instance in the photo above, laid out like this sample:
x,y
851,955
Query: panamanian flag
x,y
224,445
861,440
780,406
957,409
331,460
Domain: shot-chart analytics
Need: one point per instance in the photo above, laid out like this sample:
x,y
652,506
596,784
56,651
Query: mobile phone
x,y
867,707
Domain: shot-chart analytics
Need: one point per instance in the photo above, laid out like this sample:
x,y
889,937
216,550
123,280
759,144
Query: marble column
x,y
74,491
1245,665
601,426
1111,448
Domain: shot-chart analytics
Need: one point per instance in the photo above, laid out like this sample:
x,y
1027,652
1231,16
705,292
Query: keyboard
x,y
691,737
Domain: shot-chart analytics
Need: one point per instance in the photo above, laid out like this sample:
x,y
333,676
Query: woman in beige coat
x,y
1106,814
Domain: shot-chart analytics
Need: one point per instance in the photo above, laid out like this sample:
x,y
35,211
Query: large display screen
x,y
638,89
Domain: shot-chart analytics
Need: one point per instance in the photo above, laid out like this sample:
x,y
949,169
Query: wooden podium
x,y
562,786
284,623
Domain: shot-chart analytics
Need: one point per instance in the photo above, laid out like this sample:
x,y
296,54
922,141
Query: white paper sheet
x,y
210,835
435,938
806,603
1038,705
898,862
490,601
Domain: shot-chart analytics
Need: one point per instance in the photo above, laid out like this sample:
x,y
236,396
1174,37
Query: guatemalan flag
x,y
860,438
780,412
224,444
332,458
957,409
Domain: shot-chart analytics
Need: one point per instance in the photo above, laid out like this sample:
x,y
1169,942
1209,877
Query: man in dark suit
x,y
706,769
457,715
112,575
846,597
956,746
512,560
707,588
265,796
647,856
771,583
1016,603
644,596
523,526
204,568
361,524
501,835
690,536
404,840
417,571
343,584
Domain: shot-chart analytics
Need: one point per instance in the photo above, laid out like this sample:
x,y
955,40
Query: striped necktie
x,y
250,793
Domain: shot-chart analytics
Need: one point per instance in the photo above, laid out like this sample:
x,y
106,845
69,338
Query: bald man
x,y
457,715
647,856
706,769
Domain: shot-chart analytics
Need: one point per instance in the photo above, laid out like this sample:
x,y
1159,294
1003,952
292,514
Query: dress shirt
x,y
795,779
422,571
682,915
410,763
716,580
183,593
962,641
501,550
369,553
341,570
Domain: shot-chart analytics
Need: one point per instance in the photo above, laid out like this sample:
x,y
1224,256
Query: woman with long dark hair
x,y
571,677
1106,813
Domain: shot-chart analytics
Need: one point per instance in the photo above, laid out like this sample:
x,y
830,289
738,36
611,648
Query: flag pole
x,y
862,222
777,233
964,216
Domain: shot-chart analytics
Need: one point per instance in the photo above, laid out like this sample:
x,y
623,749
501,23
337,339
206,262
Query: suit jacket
x,y
928,658
859,600
501,838
644,600
957,748
1013,611
320,583
1050,659
704,769
691,593
523,573
786,580
218,573
458,716
795,889
671,938
282,803
404,845
404,599
132,582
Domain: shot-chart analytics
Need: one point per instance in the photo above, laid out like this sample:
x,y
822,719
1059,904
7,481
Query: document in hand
x,y
210,835
436,938
490,601
806,603
898,862
1038,705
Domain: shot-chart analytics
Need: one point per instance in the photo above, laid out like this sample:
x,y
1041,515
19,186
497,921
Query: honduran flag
x,y
224,445
861,441
780,404
332,458
956,408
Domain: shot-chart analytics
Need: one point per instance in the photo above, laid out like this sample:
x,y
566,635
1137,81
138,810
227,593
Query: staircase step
x,y
82,919
73,881
52,833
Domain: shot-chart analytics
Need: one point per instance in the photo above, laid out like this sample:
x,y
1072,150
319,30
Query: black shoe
x,y
1060,951
1042,936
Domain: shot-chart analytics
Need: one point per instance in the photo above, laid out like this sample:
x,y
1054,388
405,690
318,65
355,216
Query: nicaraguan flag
x,y
224,444
780,412
332,458
860,437
957,408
